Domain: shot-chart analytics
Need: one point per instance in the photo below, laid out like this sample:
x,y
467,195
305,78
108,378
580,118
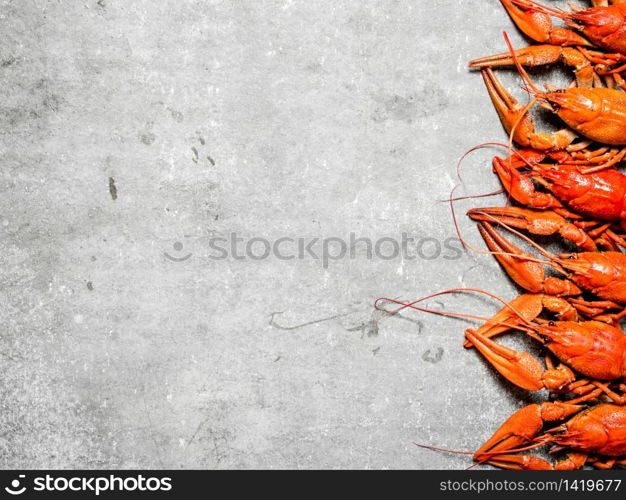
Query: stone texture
x,y
134,132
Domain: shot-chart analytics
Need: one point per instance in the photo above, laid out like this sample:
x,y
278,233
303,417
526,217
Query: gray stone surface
x,y
134,132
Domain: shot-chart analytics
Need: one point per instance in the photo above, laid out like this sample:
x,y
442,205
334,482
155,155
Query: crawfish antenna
x,y
529,86
443,450
512,151
451,199
544,9
404,305
552,260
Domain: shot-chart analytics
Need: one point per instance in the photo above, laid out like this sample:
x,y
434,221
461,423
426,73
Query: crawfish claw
x,y
516,120
520,368
520,429
538,25
539,55
522,267
518,462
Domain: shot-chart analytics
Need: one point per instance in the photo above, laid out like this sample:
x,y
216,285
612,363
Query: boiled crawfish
x,y
602,28
595,435
568,185
594,200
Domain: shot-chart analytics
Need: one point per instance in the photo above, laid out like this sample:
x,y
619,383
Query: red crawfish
x,y
602,26
600,197
601,273
598,114
591,352
595,436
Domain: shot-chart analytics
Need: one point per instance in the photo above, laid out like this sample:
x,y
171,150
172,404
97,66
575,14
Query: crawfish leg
x,y
588,390
614,156
573,461
616,238
608,463
619,399
606,3
605,464
596,309
619,81
611,319
601,234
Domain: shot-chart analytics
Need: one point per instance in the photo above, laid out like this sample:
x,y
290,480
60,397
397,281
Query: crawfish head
x,y
598,195
565,181
592,348
603,273
600,429
602,25
596,113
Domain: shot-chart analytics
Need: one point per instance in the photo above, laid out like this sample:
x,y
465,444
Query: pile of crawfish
x,y
564,184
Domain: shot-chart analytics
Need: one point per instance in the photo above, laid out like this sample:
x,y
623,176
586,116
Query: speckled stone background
x,y
135,131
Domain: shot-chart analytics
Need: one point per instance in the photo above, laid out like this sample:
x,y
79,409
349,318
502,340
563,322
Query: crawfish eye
x,y
572,257
551,323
